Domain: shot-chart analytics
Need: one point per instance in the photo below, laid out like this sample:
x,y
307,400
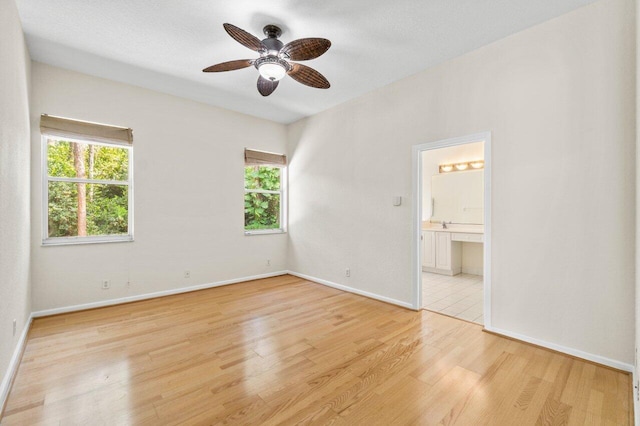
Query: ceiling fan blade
x,y
229,66
306,75
244,38
266,87
306,48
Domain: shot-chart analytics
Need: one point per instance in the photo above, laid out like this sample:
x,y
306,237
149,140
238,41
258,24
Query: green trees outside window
x,y
88,189
262,198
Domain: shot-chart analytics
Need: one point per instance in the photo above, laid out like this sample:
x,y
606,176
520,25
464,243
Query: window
x,y
87,182
264,192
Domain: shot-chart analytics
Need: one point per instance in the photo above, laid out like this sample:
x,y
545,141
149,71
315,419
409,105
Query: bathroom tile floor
x,y
460,296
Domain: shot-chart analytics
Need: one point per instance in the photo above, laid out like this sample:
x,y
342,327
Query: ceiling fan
x,y
273,63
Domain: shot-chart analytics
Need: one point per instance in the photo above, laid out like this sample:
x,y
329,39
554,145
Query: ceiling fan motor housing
x,y
272,43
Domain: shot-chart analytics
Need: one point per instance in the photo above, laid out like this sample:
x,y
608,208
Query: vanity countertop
x,y
469,229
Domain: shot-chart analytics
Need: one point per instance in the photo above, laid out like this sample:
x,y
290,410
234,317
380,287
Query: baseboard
x,y
154,295
7,380
618,365
353,290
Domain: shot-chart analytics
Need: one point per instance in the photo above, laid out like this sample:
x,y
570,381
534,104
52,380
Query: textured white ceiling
x,y
164,45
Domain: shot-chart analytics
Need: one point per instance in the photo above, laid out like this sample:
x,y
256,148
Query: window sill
x,y
66,241
265,231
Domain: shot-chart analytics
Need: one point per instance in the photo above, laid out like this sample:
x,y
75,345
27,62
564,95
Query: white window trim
x,y
284,184
94,239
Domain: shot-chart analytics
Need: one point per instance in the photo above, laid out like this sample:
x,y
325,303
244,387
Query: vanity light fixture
x,y
459,167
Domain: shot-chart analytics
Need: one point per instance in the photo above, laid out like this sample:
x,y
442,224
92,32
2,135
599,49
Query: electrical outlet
x,y
106,284
347,273
268,262
14,327
187,274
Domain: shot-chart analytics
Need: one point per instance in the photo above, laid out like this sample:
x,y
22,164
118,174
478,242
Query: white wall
x,y
472,258
15,298
559,100
189,200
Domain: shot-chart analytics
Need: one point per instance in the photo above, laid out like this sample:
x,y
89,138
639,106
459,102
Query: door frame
x,y
417,215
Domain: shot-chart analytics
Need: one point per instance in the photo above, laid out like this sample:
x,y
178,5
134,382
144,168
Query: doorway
x,y
452,227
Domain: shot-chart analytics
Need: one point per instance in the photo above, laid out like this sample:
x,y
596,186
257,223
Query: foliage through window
x,y
87,191
263,198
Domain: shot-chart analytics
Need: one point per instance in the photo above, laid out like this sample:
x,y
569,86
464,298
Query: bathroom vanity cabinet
x,y
440,254
442,249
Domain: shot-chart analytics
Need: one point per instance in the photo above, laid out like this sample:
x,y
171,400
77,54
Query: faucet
x,y
444,224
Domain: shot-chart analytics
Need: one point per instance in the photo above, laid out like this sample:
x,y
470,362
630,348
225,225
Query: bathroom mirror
x,y
458,197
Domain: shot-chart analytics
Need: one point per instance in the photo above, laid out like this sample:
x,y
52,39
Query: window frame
x,y
91,239
283,201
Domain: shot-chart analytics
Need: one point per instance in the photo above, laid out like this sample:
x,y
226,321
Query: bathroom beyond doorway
x,y
451,226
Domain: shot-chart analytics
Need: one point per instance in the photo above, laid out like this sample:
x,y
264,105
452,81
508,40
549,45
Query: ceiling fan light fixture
x,y
272,68
272,71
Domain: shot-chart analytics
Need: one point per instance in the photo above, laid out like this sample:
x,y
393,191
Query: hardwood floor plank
x,y
287,351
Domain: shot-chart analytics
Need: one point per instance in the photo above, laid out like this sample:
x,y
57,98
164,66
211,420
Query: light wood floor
x,y
287,351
